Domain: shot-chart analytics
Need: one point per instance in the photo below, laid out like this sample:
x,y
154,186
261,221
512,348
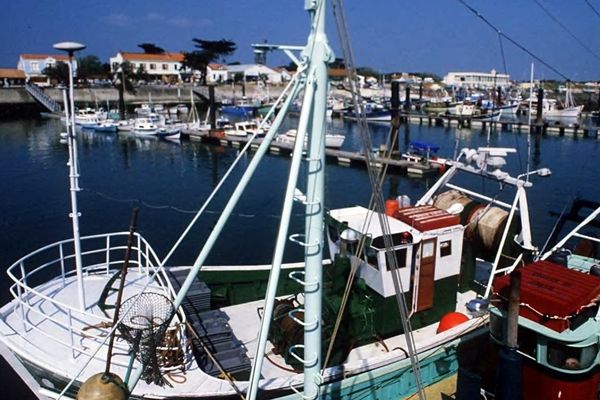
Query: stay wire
x,y
564,28
514,42
593,8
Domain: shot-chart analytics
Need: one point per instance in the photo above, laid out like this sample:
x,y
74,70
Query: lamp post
x,y
71,48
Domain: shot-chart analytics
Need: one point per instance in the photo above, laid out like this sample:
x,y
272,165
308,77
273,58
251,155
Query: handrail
x,y
42,97
38,264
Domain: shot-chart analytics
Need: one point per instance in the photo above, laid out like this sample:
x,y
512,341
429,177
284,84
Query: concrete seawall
x,y
10,97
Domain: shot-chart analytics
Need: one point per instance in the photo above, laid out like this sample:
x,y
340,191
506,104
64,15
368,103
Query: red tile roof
x,y
11,73
59,57
219,67
167,57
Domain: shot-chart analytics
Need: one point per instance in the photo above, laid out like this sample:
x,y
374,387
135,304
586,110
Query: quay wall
x,y
15,96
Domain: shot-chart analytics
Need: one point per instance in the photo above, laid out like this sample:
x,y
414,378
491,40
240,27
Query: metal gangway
x,y
37,93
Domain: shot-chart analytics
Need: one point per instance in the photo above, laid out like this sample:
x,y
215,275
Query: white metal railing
x,y
101,255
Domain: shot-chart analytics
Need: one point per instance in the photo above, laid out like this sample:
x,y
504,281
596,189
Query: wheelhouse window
x,y
571,358
445,248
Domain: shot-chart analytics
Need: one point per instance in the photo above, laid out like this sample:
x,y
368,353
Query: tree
x,y
122,81
58,72
151,48
89,67
209,51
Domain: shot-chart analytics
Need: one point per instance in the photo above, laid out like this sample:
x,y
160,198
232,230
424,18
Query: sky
x,y
388,35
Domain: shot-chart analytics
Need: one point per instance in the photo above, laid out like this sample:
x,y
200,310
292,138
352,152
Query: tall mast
x,y
315,190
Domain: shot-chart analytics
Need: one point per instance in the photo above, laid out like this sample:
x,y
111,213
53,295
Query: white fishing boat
x,y
552,109
383,319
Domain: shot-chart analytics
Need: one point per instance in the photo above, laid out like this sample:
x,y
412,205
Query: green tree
x,y
208,51
90,67
123,82
151,48
58,73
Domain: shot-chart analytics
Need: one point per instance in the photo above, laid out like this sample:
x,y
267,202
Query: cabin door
x,y
426,273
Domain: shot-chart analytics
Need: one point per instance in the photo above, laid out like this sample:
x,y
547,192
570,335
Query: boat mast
x,y
71,48
320,57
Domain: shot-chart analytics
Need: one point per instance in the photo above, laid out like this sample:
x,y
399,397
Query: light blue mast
x,y
315,58
312,75
315,191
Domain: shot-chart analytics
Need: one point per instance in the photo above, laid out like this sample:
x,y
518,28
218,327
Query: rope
x,y
224,374
136,201
564,28
592,7
511,40
376,198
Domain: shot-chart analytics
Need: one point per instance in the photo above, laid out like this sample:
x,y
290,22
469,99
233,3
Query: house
x,y
252,72
33,66
216,73
166,67
11,77
477,80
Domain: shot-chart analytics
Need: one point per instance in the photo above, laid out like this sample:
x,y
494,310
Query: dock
x,y
507,126
332,156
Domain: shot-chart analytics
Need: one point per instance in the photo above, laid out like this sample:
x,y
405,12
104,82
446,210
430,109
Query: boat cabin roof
x,y
552,294
415,220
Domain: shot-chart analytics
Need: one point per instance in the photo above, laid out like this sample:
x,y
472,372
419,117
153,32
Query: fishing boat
x,y
242,108
384,318
555,354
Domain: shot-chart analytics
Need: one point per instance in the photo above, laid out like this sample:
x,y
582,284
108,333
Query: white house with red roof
x,y
33,65
166,66
215,73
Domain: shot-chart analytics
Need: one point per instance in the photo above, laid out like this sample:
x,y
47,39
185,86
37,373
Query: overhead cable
x,y
593,8
564,28
520,46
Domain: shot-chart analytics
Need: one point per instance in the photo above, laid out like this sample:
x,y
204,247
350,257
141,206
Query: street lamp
x,y
71,48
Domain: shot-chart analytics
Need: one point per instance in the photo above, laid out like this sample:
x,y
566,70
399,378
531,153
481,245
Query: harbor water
x,y
170,181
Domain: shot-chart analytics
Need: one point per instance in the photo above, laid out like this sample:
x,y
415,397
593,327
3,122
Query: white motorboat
x,y
244,129
332,140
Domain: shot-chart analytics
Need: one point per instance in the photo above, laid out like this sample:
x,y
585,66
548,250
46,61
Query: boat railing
x,y
101,255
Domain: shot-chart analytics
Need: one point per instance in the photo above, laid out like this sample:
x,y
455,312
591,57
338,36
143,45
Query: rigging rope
x,y
593,8
376,199
564,28
511,40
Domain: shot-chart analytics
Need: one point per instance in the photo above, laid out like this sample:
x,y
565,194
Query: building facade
x,y
253,72
477,80
33,66
166,67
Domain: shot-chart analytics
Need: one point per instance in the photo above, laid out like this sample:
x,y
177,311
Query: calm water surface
x,y
168,181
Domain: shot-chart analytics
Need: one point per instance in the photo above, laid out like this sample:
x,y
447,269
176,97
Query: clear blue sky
x,y
388,35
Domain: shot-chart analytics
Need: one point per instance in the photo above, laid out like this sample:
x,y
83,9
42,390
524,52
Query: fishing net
x,y
144,321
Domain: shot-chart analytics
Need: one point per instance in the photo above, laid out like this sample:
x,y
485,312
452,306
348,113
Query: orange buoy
x,y
391,206
450,320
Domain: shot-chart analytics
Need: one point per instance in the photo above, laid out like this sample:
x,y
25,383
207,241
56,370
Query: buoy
x,y
103,386
450,320
391,206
